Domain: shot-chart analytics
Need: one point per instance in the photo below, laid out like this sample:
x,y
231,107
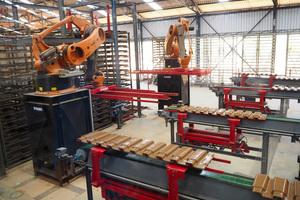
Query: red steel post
x,y
232,140
96,153
174,173
180,131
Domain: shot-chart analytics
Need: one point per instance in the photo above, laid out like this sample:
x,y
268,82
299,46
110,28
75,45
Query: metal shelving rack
x,y
17,71
158,49
106,63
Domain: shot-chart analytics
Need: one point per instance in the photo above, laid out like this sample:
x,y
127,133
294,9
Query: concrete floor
x,y
20,182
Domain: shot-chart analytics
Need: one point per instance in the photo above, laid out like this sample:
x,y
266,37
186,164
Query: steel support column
x,y
265,153
274,35
197,40
115,29
61,17
15,16
88,179
141,44
137,59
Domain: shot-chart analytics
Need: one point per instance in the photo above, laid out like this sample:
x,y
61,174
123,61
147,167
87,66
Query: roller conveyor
x,y
265,128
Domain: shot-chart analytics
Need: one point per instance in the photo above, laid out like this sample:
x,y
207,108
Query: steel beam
x,y
30,5
136,48
85,4
28,40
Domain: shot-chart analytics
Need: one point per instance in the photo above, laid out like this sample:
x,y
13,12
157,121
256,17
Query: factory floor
x,y
20,182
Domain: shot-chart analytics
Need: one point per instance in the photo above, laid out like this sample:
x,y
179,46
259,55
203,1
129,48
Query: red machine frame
x,y
248,104
244,76
227,140
175,71
126,94
173,171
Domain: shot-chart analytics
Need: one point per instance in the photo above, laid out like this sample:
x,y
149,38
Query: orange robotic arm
x,y
50,60
175,49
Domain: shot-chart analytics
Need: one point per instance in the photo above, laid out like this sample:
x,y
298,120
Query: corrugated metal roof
x,y
288,2
237,5
167,13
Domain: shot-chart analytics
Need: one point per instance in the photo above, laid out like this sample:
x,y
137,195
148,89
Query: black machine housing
x,y
174,84
56,121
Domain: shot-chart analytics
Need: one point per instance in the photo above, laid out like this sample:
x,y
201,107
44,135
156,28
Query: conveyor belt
x,y
152,174
272,125
185,156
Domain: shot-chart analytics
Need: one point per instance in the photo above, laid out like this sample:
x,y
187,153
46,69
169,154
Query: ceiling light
x,y
102,12
147,1
45,17
155,6
223,0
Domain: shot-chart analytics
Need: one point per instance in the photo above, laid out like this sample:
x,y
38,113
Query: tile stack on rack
x,y
17,71
106,64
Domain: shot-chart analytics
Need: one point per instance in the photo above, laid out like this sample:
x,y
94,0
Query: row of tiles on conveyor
x,y
267,74
277,187
172,153
223,112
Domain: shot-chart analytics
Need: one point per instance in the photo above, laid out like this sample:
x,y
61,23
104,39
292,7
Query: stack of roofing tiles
x,y
223,112
185,156
276,188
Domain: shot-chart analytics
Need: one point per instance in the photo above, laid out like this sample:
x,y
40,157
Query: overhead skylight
x,y
26,1
155,6
91,6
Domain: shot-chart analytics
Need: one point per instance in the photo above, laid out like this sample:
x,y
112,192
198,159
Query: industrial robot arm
x,y
50,60
174,43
